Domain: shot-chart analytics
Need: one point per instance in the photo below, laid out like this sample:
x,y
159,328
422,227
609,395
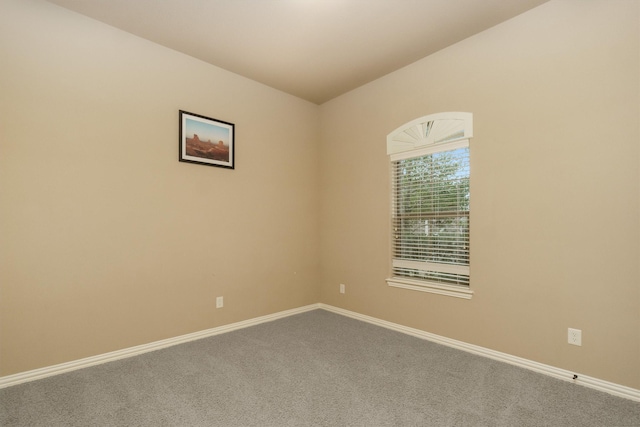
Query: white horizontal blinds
x,y
430,201
431,216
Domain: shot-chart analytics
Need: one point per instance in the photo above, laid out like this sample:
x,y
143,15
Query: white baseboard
x,y
594,383
49,371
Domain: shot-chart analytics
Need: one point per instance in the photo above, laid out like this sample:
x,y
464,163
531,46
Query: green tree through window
x,y
431,216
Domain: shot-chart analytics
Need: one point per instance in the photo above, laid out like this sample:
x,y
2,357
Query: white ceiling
x,y
313,49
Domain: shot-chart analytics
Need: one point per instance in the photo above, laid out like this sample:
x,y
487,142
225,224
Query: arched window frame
x,y
428,138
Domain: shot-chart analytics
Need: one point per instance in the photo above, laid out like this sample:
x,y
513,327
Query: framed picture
x,y
206,141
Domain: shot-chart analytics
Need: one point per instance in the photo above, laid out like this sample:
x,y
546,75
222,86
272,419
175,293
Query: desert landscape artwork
x,y
206,141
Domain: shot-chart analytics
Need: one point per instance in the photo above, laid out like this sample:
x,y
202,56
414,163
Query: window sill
x,y
431,287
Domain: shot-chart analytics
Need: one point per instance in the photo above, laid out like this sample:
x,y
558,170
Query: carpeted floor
x,y
312,369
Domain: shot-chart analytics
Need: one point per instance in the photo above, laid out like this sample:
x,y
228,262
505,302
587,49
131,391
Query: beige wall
x,y
106,240
555,209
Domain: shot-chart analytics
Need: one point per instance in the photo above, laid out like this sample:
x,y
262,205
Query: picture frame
x,y
206,141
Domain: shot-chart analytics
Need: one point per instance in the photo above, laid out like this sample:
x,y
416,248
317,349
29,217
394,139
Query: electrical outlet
x,y
342,288
575,336
219,302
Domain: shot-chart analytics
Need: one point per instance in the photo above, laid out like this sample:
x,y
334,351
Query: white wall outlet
x,y
575,336
219,302
342,288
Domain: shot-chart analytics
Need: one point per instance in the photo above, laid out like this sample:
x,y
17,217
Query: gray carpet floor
x,y
313,369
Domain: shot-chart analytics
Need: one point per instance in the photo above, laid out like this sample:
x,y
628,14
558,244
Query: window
x,y
430,204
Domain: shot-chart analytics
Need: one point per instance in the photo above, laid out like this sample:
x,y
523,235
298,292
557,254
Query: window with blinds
x,y
430,204
431,217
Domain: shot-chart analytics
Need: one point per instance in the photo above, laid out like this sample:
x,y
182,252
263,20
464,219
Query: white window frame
x,y
423,136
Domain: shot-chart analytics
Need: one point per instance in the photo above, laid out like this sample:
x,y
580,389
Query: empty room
x,y
320,212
